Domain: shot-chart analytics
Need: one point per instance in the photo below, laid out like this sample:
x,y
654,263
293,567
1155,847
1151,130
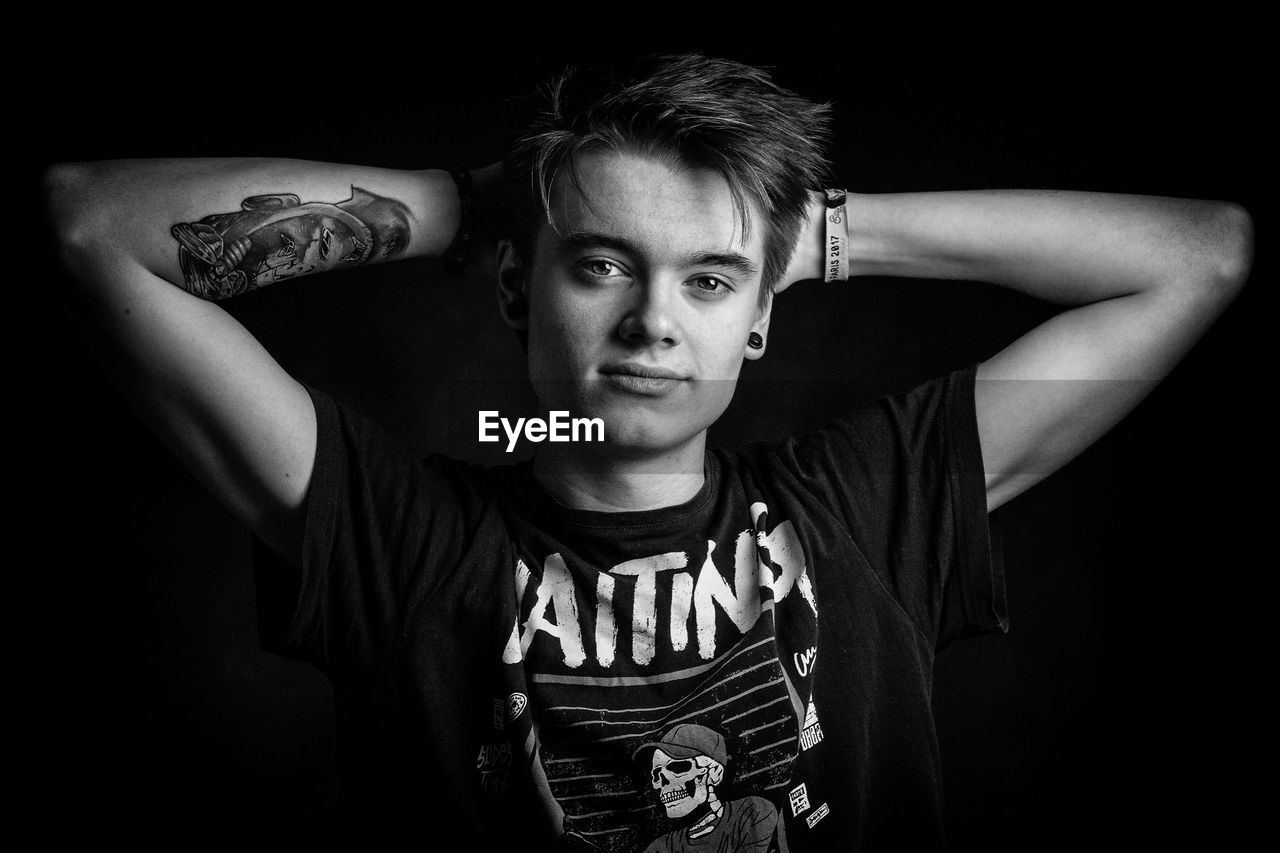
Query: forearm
x,y
1070,248
220,227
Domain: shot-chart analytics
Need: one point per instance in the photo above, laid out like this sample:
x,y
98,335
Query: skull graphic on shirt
x,y
684,784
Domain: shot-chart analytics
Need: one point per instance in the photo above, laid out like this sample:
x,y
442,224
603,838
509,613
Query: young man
x,y
635,642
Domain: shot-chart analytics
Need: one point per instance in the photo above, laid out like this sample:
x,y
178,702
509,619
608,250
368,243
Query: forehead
x,y
668,209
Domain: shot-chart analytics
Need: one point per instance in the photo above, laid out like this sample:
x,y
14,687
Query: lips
x,y
630,368
642,379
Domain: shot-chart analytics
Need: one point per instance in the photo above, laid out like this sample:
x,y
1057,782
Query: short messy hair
x,y
768,143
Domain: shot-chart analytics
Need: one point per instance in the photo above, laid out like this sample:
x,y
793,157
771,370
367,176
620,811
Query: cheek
x,y
564,328
721,347
714,398
554,358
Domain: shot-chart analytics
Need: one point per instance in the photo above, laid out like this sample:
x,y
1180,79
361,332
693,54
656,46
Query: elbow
x,y
1211,258
76,223
58,194
1242,254
1229,255
70,214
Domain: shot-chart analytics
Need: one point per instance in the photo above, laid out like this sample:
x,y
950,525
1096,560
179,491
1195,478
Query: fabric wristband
x,y
836,266
455,257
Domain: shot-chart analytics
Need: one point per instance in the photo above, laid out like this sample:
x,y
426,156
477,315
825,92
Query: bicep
x,y
211,393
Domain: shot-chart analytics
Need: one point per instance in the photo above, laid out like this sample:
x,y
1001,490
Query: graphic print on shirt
x,y
686,767
668,702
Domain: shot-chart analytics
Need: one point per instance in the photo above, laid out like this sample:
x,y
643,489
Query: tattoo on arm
x,y
274,237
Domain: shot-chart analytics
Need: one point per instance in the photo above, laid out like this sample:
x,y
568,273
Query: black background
x,y
1122,707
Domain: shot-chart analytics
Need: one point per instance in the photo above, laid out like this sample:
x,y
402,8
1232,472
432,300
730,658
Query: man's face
x,y
642,299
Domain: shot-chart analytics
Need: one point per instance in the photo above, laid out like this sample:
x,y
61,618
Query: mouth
x,y
644,380
673,796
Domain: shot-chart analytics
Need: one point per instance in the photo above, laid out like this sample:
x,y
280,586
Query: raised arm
x,y
1144,278
150,244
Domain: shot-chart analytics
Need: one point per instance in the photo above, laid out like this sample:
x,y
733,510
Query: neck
x,y
714,809
582,479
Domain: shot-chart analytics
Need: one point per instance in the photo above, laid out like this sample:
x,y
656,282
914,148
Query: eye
x,y
680,767
710,287
355,254
326,240
601,268
286,246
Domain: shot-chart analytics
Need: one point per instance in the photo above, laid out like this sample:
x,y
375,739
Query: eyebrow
x,y
734,261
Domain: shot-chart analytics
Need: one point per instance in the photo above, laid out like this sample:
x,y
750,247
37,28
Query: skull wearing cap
x,y
684,784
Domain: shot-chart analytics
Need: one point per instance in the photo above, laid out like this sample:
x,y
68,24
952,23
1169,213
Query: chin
x,y
634,425
630,438
633,431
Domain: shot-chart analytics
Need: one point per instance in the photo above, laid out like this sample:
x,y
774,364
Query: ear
x,y
513,283
761,327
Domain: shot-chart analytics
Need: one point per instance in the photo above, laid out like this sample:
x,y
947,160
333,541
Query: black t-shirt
x,y
511,671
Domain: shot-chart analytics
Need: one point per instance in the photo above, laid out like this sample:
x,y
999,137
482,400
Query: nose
x,y
651,319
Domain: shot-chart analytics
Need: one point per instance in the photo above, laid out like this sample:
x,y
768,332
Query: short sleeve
x,y
904,476
383,531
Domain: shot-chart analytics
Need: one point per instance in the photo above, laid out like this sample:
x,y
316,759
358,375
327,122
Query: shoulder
x,y
870,422
346,434
756,806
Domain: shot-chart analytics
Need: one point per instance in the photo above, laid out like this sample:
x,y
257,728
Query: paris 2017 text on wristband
x,y
836,251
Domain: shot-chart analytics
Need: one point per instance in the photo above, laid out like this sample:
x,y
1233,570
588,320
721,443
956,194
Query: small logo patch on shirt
x,y
804,662
799,799
811,734
818,814
516,703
